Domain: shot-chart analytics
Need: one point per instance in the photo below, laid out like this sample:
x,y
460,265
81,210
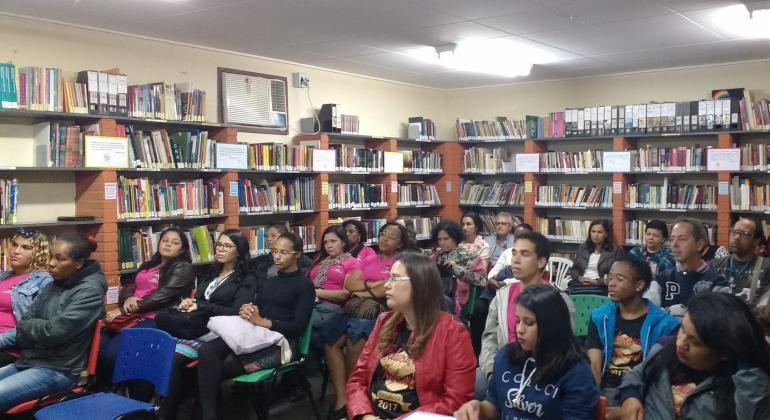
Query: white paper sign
x,y
394,186
723,188
110,190
528,162
233,188
394,162
616,161
232,156
723,160
112,295
324,160
617,187
106,152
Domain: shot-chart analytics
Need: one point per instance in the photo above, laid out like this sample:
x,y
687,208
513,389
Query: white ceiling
x,y
369,37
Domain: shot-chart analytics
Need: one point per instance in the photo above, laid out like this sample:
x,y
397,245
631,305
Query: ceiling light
x,y
743,20
754,5
501,57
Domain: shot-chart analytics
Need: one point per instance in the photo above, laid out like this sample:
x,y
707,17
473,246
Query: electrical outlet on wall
x,y
301,80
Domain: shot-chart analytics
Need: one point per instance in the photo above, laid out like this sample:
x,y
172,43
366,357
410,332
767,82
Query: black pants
x,y
181,378
478,322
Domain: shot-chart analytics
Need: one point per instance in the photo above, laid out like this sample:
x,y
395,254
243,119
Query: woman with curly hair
x,y
29,254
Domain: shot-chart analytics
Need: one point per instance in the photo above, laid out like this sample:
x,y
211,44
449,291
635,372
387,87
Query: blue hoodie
x,y
656,324
572,397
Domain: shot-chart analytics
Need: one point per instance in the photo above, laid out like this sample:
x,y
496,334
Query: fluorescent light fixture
x,y
744,22
754,5
501,57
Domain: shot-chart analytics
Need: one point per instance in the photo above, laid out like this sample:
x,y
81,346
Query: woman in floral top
x,y
472,241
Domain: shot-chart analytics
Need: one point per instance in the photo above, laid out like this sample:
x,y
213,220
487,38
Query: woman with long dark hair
x,y
472,226
417,357
717,368
459,268
595,256
544,374
357,237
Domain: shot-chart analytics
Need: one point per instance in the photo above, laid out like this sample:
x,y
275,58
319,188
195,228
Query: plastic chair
x,y
85,384
261,401
469,306
584,305
601,408
558,268
143,354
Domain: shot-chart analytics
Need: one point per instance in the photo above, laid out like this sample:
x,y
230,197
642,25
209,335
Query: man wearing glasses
x,y
747,273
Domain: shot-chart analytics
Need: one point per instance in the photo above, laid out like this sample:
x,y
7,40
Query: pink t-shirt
x,y
7,319
365,253
146,284
512,296
335,275
375,269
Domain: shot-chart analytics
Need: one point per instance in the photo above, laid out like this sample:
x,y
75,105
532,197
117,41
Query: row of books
x,y
372,226
420,161
683,158
40,89
585,161
754,157
488,220
421,128
138,244
417,193
257,237
635,232
563,229
357,195
161,149
357,159
9,200
60,144
746,194
500,129
574,196
151,198
671,196
497,194
280,157
167,101
488,160
258,196
421,226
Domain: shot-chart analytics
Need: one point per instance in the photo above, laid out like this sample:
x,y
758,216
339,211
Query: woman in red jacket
x,y
417,357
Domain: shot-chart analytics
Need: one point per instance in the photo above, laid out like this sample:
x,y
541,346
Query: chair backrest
x,y
93,352
146,354
304,341
467,310
601,408
584,305
558,268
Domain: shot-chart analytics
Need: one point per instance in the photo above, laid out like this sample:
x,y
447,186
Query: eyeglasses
x,y
24,233
613,277
282,252
224,246
396,279
741,233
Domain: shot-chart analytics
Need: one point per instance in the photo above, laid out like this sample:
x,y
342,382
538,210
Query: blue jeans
x,y
18,385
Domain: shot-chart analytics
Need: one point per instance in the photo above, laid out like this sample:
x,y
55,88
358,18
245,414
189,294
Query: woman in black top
x,y
283,304
594,258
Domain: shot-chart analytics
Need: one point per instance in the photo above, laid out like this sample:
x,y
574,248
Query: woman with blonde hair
x,y
28,253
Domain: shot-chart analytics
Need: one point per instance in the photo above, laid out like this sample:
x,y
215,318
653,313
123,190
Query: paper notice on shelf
x,y
616,162
527,186
723,160
324,160
393,185
723,187
617,187
110,190
324,188
106,152
449,186
112,295
394,163
528,162
232,156
233,188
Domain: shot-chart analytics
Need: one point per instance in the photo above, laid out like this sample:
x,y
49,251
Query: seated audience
x,y
29,255
544,374
357,237
502,238
747,273
717,368
505,258
529,257
621,333
673,288
283,304
472,240
595,257
418,357
162,281
459,269
55,334
654,253
263,266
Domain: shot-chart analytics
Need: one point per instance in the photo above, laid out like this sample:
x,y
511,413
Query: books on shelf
x,y
60,145
498,194
357,196
587,161
356,159
563,230
421,226
671,196
574,196
421,128
40,89
138,244
500,129
9,200
261,196
488,220
372,226
280,157
167,101
151,198
635,231
422,162
749,195
417,193
8,86
257,237
489,160
164,150
674,159
754,157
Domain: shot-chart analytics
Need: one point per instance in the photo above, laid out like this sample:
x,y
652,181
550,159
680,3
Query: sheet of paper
x,y
617,187
528,162
232,156
723,160
110,190
324,160
616,161
394,162
233,188
112,295
106,152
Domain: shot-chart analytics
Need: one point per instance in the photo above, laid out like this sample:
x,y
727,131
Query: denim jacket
x,y
21,298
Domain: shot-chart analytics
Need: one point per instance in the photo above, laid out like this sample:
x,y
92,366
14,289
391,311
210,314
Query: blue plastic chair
x,y
143,354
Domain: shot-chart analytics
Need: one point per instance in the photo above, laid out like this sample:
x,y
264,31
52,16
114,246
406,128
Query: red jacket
x,y
444,373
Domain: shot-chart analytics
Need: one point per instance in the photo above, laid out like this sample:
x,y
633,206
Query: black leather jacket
x,y
172,287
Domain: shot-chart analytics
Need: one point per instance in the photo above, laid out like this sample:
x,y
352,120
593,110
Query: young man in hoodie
x,y
673,288
622,332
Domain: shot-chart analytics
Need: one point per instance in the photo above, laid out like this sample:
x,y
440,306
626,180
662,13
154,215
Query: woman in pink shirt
x,y
329,272
357,237
29,254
